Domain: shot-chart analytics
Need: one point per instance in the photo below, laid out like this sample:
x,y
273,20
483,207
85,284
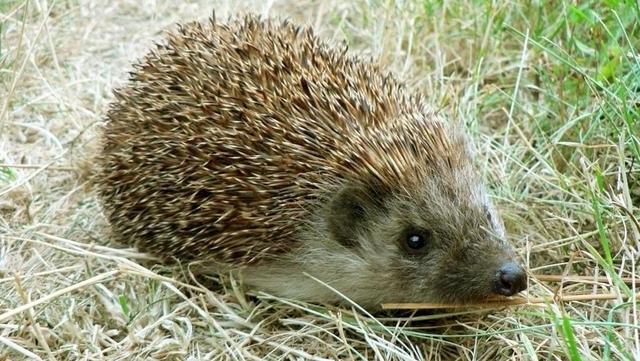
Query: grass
x,y
550,92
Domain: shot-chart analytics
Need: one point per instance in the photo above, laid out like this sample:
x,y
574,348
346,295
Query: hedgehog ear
x,y
349,210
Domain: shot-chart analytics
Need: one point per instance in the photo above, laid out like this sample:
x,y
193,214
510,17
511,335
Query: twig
x,y
279,346
19,349
120,252
88,282
30,176
534,301
38,166
44,273
32,317
561,278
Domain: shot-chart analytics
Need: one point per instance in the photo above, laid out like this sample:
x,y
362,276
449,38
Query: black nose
x,y
510,279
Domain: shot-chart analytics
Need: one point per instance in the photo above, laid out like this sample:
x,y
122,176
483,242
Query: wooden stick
x,y
561,278
38,166
534,301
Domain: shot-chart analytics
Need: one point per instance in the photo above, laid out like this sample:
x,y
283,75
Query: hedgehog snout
x,y
510,279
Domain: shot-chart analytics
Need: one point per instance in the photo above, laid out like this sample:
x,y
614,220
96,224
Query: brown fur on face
x,y
253,145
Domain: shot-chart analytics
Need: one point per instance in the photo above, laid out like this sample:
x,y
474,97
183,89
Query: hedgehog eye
x,y
417,241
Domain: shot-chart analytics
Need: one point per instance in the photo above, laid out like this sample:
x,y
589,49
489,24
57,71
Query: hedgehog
x,y
252,146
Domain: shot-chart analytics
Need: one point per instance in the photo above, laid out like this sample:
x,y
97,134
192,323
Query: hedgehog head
x,y
412,223
420,220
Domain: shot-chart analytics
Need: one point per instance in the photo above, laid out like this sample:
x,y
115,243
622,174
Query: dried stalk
x,y
599,279
534,301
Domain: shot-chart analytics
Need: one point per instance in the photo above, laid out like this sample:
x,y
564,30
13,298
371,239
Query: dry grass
x,y
550,92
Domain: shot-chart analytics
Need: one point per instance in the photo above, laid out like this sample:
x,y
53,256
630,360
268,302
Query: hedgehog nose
x,y
510,279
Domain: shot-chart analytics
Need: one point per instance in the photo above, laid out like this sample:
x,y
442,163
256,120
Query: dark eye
x,y
417,241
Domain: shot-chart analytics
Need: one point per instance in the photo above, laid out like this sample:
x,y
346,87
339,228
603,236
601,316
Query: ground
x,y
550,93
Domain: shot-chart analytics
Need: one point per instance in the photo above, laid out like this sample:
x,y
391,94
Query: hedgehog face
x,y
452,242
443,242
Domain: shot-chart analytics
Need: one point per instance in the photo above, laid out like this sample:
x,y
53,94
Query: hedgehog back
x,y
226,135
